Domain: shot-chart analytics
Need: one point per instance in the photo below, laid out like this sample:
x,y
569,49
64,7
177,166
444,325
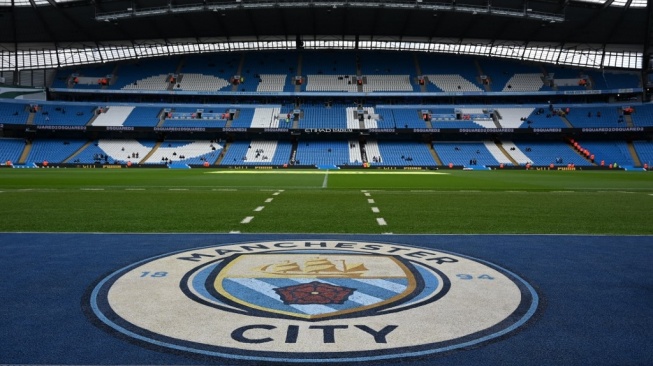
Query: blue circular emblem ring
x,y
313,301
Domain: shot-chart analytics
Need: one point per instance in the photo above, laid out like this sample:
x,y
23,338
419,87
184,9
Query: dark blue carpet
x,y
596,297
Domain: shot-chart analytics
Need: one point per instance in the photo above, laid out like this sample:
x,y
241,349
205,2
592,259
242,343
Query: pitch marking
x,y
375,210
269,200
259,208
381,221
247,220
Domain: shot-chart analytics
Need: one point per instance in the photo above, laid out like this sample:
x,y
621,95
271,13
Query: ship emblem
x,y
313,287
318,267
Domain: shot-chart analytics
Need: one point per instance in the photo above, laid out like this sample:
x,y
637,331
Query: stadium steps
x,y
239,72
479,71
300,59
504,152
495,119
293,152
95,115
633,154
629,120
171,86
581,155
222,153
434,154
566,121
25,154
180,66
77,152
32,115
156,146
161,119
418,69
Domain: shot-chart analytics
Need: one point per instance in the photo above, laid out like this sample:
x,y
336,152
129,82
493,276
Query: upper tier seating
x,y
508,75
329,63
524,83
201,82
335,83
385,71
453,83
132,75
376,83
155,82
113,116
69,115
386,63
643,115
14,113
594,117
271,82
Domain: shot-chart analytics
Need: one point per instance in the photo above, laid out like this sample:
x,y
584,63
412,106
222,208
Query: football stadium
x,y
243,182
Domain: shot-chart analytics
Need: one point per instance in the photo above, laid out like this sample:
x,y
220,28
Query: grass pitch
x,y
274,201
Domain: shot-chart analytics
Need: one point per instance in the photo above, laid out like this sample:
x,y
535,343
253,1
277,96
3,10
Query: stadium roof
x,y
65,24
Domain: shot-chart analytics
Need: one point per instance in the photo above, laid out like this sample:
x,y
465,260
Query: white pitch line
x,y
134,189
381,221
363,190
326,179
234,232
276,193
370,200
375,210
247,220
91,189
224,189
177,189
269,200
259,208
367,194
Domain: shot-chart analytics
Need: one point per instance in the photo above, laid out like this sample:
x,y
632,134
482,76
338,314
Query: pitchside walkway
x,y
593,309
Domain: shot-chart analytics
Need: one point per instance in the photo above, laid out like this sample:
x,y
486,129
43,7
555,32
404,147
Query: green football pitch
x,y
314,201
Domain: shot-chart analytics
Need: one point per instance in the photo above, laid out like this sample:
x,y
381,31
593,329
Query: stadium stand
x,y
468,154
11,149
337,74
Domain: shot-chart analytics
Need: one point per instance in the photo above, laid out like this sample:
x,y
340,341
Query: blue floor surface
x,y
595,297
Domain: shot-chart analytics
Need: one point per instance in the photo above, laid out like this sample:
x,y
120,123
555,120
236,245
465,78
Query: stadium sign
x,y
312,301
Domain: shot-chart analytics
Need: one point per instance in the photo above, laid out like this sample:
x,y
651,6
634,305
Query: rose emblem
x,y
314,293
